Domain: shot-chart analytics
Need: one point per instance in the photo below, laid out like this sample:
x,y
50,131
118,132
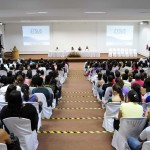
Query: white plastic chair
x,y
114,52
46,111
3,72
129,127
126,52
110,52
118,51
134,52
36,105
2,104
21,128
3,146
112,110
146,145
122,52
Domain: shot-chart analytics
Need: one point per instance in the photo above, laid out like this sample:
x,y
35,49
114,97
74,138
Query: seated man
x,y
136,144
41,89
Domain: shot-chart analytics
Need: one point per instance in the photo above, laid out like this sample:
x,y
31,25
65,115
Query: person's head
x,y
126,71
4,79
137,76
116,89
14,101
20,80
99,76
117,74
42,72
133,96
110,78
124,76
25,91
120,82
147,84
39,81
29,74
137,88
10,88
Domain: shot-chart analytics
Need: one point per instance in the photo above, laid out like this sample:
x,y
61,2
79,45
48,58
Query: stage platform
x,y
103,56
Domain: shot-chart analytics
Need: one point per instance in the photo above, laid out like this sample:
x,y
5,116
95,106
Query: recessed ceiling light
x,y
42,12
95,12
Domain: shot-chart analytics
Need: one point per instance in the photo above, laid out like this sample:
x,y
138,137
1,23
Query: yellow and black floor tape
x,y
74,118
78,101
73,132
78,108
77,96
77,92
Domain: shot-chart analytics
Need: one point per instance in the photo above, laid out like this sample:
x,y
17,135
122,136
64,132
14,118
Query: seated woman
x,y
16,108
27,97
129,109
117,95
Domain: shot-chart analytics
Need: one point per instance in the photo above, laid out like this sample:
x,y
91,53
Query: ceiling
x,y
66,10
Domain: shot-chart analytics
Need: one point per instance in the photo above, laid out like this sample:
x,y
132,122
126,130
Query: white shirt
x,y
145,134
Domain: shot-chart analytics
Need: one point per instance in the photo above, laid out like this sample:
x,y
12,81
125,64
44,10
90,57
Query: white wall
x,y
144,39
64,35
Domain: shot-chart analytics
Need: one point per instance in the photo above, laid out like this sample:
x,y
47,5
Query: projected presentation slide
x,y
119,35
36,35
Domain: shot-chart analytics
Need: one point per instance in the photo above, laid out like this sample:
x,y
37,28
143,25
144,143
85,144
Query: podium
x,y
15,53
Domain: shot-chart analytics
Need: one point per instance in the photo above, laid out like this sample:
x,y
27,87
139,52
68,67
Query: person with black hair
x,y
137,88
147,94
108,84
41,89
117,95
10,88
16,108
129,109
27,97
138,80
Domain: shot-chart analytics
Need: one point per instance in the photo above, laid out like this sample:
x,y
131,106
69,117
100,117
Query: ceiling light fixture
x,y
144,22
95,12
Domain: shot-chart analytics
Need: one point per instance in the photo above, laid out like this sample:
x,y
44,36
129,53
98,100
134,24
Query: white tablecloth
x,y
65,54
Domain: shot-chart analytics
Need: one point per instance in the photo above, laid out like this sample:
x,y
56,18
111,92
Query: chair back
x,y
3,72
46,111
132,126
2,104
146,145
21,128
112,109
3,146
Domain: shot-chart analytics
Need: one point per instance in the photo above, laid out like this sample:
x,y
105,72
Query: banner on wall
x,y
36,35
119,35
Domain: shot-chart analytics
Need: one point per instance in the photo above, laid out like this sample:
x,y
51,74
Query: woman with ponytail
x,y
26,96
129,109
117,95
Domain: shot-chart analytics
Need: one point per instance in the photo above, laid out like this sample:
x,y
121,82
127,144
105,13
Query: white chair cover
x,y
61,76
114,52
110,52
128,127
112,110
36,105
118,52
122,52
21,128
146,145
3,146
2,104
46,111
3,72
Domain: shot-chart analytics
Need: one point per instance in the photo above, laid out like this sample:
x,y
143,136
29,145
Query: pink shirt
x,y
140,82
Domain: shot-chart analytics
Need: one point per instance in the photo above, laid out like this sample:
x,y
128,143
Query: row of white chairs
x,y
122,52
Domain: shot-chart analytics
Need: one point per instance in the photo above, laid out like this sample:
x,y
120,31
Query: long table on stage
x,y
65,53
